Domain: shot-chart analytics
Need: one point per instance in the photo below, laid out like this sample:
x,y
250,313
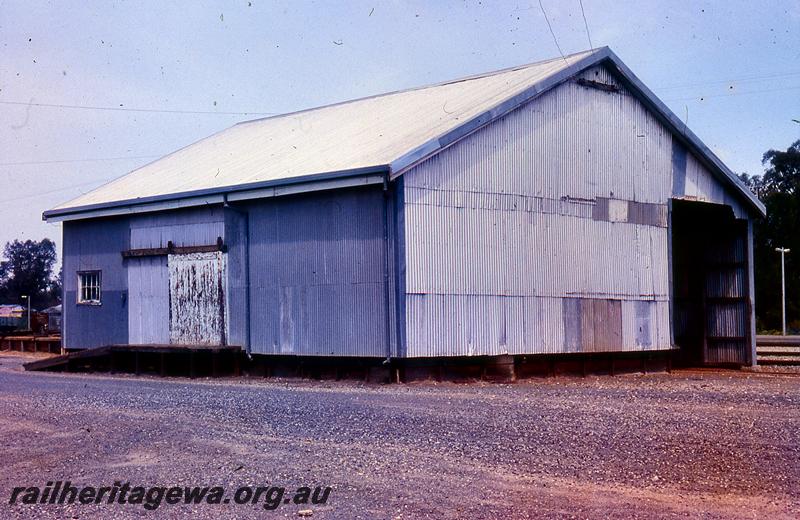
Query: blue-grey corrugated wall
x,y
317,274
135,293
88,246
236,238
148,277
547,231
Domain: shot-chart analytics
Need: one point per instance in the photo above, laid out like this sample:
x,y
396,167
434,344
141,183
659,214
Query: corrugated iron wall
x,y
317,274
316,269
134,292
544,232
692,181
723,254
727,321
91,245
188,227
238,310
149,278
148,300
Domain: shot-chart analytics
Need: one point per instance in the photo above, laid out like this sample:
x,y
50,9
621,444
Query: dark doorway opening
x,y
711,309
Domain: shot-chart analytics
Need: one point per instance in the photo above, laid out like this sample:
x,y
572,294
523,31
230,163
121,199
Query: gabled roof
x,y
376,136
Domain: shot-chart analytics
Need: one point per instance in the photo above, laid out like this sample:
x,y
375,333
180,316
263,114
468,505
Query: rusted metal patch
x,y
592,324
630,211
172,249
647,214
590,83
572,324
566,205
600,209
644,318
197,299
601,325
288,309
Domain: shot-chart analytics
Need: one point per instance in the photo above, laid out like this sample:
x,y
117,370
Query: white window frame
x,y
89,287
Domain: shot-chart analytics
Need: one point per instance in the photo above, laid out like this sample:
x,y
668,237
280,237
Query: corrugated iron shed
x,y
529,211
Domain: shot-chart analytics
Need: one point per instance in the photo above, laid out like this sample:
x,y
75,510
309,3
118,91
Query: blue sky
x,y
732,66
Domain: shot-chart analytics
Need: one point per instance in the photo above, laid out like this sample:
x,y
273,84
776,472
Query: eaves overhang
x,y
211,196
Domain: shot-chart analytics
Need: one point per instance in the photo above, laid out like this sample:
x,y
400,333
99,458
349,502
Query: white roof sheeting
x,y
387,132
356,134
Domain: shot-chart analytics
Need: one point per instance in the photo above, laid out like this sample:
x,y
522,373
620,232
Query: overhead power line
x,y
50,192
122,108
136,157
99,181
586,24
551,31
64,161
743,79
733,94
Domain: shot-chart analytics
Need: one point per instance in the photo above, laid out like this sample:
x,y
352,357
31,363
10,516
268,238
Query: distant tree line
x,y
779,189
26,269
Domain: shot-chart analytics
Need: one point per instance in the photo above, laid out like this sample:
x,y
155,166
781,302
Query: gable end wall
x,y
547,230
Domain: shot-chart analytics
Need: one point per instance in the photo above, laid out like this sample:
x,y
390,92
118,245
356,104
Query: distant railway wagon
x,y
556,209
10,324
12,317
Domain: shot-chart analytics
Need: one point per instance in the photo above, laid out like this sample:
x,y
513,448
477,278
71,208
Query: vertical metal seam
x,y
751,310
670,269
247,314
386,296
400,267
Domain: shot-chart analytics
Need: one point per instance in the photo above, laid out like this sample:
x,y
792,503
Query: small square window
x,y
89,287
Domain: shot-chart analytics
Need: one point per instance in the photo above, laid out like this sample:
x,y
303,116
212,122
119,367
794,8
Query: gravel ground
x,y
710,444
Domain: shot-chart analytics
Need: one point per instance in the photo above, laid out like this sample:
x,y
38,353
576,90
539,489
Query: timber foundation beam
x,y
193,362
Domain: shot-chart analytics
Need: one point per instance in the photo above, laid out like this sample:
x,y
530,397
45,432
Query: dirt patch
x,y
711,444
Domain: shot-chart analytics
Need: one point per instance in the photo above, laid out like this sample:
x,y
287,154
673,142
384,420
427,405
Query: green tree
x,y
27,269
779,190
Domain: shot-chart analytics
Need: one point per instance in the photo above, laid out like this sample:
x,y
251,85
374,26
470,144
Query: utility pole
x,y
783,251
